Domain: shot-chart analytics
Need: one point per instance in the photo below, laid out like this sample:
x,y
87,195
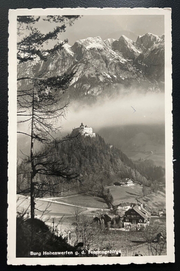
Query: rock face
x,y
105,67
148,40
127,47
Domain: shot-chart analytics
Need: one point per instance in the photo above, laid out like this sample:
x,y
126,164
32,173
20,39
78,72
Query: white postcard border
x,y
12,145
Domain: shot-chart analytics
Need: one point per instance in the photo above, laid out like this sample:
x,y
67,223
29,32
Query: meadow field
x,y
83,200
120,194
127,194
65,206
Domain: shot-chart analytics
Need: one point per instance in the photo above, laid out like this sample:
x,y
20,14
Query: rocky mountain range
x,y
105,67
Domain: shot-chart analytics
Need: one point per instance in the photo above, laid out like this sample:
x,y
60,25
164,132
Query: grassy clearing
x,y
119,193
49,208
155,200
84,200
126,193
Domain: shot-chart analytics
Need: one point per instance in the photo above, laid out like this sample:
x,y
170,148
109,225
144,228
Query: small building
x,y
162,213
136,216
127,182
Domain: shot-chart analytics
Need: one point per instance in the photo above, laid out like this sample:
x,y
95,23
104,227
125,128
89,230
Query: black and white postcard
x,y
90,178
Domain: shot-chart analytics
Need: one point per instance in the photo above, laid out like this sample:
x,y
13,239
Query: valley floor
x,y
59,214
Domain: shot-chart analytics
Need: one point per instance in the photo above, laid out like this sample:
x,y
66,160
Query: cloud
x,y
130,109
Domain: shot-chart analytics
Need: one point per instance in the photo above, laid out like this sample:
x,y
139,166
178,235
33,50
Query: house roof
x,y
141,212
125,180
144,210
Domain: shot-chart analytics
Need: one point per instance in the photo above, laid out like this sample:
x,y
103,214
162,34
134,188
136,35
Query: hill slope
x,y
135,141
92,158
80,163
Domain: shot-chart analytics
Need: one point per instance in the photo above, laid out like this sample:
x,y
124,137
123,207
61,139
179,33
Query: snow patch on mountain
x,y
95,45
109,42
91,41
67,47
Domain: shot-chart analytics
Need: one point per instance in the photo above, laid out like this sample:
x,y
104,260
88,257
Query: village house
x,y
136,217
124,206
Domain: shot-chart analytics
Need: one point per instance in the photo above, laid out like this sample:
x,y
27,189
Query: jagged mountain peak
x,y
149,34
162,37
83,47
126,47
91,42
124,38
148,40
109,42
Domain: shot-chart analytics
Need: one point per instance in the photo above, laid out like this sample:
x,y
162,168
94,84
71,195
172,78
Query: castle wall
x,y
87,130
83,130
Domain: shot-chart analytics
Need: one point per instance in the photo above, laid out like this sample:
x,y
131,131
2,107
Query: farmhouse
x,y
127,182
124,182
84,130
136,216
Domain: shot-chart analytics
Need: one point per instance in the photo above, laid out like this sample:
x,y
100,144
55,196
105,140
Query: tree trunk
x,y
32,161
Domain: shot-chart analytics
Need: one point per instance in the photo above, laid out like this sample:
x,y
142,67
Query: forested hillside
x,y
80,163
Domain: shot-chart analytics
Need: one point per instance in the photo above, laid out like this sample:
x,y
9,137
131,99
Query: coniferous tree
x,y
40,98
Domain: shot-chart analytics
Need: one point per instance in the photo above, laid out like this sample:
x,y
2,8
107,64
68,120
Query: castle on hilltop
x,y
84,130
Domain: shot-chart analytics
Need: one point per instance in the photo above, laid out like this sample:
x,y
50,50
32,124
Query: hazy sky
x,y
109,26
